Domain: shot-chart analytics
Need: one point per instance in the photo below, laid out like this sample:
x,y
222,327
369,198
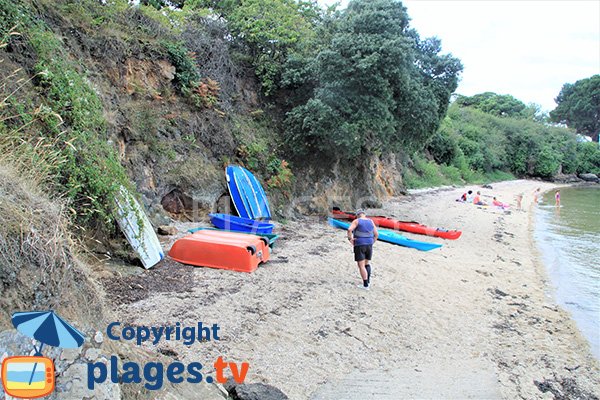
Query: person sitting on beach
x,y
463,198
469,197
500,204
477,200
362,233
557,198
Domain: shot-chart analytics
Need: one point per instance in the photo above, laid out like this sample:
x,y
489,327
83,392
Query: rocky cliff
x,y
174,149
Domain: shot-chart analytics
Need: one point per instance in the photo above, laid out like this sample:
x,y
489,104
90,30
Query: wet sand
x,y
477,311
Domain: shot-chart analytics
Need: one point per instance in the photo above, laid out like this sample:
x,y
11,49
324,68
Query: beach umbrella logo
x,y
33,376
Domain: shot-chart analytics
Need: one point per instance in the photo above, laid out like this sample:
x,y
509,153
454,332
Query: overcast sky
x,y
528,49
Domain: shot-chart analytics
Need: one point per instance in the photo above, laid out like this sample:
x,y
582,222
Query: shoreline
x,y
475,312
553,285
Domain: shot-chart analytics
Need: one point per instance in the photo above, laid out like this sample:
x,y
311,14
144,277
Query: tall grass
x,y
59,137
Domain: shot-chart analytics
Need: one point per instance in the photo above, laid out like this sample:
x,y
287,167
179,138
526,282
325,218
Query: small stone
x,y
167,230
70,355
98,337
92,354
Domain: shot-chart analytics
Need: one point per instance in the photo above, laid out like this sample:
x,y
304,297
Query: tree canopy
x,y
501,105
374,86
578,106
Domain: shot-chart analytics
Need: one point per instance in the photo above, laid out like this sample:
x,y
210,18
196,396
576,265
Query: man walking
x,y
362,233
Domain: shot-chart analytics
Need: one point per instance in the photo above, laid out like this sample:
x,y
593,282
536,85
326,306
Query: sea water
x,y
569,240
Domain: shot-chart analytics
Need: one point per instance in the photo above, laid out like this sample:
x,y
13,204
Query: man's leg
x,y
363,272
368,256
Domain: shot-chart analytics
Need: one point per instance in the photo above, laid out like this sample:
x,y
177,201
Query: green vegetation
x,y
257,156
427,173
504,141
579,106
64,136
202,92
376,87
588,158
272,29
360,81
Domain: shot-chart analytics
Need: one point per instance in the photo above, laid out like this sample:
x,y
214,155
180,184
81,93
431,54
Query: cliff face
x,y
174,150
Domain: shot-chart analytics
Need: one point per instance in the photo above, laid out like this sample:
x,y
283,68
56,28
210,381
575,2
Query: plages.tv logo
x,y
28,377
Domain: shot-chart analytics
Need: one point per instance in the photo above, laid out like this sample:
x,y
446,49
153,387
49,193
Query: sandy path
x,y
478,305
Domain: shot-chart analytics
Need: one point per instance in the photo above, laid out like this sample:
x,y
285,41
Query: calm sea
x,y
569,240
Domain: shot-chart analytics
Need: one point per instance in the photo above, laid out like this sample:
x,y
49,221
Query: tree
x,y
273,29
501,105
377,87
578,106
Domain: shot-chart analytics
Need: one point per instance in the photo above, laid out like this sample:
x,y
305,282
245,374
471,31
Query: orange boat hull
x,y
223,250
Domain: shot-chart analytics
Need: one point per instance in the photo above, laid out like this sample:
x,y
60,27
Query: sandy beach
x,y
474,319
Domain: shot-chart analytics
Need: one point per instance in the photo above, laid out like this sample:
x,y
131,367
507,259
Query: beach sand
x,y
474,319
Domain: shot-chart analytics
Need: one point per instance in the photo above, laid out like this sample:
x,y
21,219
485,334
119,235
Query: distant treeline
x,y
490,132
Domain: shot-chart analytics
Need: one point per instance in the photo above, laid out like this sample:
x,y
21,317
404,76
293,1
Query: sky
x,y
525,48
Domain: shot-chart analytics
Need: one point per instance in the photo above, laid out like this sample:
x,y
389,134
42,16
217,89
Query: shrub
x,y
588,158
443,147
547,162
204,93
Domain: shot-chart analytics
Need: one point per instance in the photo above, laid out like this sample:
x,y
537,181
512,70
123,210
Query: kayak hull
x,y
271,237
136,227
223,250
406,226
239,224
247,194
391,237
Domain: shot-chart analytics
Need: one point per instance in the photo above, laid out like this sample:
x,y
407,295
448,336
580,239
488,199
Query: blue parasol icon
x,y
49,329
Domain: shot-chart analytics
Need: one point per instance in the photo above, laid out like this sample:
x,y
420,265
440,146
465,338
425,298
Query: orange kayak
x,y
218,249
406,226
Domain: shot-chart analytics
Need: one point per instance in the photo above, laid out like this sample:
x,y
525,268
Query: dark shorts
x,y
363,252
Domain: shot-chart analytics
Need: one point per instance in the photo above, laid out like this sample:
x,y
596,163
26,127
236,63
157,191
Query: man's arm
x,y
351,229
375,232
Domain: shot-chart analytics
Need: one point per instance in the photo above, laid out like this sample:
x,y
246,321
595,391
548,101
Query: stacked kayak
x,y
247,194
218,249
391,237
232,223
413,227
239,243
271,237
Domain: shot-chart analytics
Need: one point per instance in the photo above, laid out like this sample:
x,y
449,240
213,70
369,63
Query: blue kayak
x,y
239,224
389,236
248,195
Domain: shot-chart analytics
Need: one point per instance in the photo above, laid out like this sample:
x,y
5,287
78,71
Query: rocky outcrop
x,y
566,178
589,177
253,391
349,184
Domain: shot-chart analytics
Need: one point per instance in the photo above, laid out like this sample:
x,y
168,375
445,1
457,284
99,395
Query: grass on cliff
x,y
39,269
61,134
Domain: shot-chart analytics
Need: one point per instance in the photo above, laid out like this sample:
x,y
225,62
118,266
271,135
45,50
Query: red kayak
x,y
413,227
